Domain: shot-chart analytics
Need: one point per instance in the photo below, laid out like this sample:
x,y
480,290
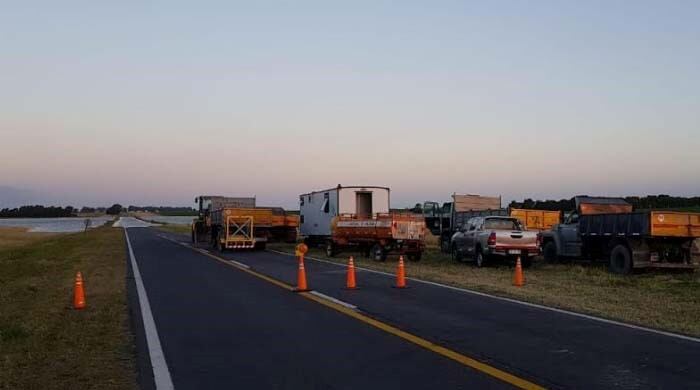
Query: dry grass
x,y
13,237
173,228
44,344
669,301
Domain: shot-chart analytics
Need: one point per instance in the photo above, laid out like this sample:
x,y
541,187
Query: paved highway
x,y
223,325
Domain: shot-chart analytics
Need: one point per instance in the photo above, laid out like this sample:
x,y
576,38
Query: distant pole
x,y
87,224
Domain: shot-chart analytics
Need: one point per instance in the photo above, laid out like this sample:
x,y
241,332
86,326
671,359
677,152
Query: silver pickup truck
x,y
483,238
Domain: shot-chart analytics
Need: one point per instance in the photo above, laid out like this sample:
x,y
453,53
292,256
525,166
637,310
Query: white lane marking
x,y
161,373
511,300
334,300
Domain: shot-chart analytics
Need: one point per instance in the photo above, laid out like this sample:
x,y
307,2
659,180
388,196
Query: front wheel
x,y
456,255
550,252
621,260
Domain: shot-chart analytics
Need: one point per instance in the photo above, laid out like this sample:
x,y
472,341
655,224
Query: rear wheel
x,y
330,249
415,256
378,253
550,252
479,258
620,260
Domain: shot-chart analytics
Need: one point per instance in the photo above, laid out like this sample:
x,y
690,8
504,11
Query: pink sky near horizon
x,y
150,106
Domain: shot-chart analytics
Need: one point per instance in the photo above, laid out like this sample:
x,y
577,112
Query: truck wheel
x,y
330,249
550,252
378,253
621,260
415,256
479,258
444,246
456,255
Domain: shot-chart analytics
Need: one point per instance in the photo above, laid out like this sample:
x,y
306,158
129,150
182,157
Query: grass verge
x,y
43,342
661,300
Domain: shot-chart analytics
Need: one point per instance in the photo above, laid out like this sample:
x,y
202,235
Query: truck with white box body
x,y
359,216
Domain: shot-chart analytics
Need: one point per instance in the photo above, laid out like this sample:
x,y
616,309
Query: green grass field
x,y
44,343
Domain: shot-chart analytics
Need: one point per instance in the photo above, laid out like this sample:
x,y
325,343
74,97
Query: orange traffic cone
x,y
518,278
350,283
301,277
400,275
78,292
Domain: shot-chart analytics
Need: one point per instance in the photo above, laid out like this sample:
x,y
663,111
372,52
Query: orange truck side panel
x,y
595,208
536,219
675,224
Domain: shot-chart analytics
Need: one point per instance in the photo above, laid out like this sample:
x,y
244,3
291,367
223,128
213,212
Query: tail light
x,y
492,239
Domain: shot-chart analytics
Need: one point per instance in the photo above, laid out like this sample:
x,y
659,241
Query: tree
x,y
115,209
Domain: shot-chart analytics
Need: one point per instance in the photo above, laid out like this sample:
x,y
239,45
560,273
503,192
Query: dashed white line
x,y
334,300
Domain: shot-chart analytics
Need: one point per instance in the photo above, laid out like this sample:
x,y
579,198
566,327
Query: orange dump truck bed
x,y
675,224
536,219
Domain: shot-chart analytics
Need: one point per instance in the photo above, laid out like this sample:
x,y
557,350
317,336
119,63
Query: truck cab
x,y
563,239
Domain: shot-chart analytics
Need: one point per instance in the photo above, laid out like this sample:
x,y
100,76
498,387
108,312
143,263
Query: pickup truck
x,y
484,238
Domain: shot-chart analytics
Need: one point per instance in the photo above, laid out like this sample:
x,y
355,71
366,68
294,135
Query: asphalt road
x,y
221,327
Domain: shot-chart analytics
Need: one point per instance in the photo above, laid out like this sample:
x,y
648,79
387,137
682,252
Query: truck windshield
x,y
502,224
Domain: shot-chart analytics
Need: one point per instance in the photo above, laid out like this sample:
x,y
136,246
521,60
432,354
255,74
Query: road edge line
x,y
519,302
161,373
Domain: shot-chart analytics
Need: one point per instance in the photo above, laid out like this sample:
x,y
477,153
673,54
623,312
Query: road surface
x,y
223,327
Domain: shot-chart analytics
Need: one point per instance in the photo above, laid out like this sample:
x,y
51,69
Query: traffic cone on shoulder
x,y
518,278
78,292
350,281
400,275
301,277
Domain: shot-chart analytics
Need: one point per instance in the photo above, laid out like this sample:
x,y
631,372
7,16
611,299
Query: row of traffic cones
x,y
351,282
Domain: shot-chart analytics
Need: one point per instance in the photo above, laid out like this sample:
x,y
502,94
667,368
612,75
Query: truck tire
x,y
330,249
620,260
550,252
479,258
415,256
378,253
456,255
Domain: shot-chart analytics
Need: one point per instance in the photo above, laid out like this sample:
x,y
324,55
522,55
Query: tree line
x,y
165,210
637,202
38,211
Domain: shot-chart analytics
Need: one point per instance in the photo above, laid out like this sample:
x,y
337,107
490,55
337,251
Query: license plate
x,y
513,251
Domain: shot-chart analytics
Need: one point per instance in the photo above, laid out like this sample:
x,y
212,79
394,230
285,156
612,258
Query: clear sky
x,y
156,102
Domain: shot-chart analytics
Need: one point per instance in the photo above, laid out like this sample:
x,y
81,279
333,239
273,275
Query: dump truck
x,y
536,219
359,217
608,228
236,223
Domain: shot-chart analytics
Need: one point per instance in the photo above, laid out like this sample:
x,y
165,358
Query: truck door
x,y
569,238
473,227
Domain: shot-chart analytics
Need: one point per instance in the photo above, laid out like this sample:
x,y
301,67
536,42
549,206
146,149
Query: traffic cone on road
x,y
400,274
78,292
518,278
301,277
350,282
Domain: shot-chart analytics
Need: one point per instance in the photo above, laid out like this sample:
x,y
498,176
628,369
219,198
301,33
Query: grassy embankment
x,y
662,300
44,343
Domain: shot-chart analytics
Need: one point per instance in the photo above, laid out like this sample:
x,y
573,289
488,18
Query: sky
x,y
157,102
